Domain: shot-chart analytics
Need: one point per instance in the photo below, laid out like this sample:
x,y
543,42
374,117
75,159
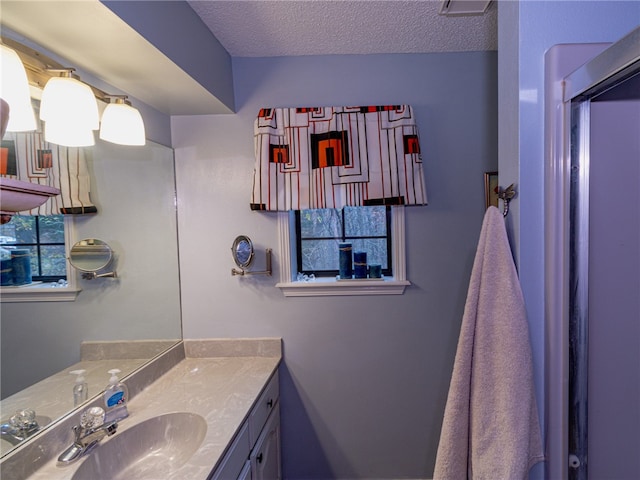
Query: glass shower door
x,y
604,278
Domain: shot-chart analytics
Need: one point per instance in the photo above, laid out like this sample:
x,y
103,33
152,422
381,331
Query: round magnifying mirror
x,y
242,251
90,255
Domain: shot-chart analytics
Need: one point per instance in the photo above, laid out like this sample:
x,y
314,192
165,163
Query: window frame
x,y
329,286
332,273
45,292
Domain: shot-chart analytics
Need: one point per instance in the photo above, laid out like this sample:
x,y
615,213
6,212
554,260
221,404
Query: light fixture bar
x,y
40,68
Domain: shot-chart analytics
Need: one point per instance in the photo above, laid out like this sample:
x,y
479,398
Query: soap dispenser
x,y
116,396
80,389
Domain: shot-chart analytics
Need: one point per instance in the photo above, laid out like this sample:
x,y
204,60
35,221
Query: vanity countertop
x,y
220,389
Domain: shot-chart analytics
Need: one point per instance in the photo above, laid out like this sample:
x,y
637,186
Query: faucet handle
x,y
24,419
92,418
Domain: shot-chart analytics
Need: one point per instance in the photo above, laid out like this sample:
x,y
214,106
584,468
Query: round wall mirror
x,y
90,255
242,251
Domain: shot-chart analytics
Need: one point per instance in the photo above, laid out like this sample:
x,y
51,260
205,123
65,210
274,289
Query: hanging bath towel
x,y
490,429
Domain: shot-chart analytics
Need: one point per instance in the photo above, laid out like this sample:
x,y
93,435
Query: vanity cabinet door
x,y
265,457
263,408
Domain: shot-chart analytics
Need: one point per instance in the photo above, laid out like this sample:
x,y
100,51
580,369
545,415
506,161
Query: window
x,y
44,237
318,233
290,243
47,238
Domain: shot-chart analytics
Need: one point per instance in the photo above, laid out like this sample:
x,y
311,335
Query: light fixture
x,y
70,111
68,106
14,89
121,123
464,7
69,135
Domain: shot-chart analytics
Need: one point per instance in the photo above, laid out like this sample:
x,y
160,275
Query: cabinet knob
x,y
270,403
259,458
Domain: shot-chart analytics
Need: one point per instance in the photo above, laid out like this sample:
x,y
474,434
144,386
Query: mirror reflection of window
x,y
44,238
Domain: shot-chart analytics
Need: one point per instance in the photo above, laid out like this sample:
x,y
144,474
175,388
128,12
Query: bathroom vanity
x,y
214,402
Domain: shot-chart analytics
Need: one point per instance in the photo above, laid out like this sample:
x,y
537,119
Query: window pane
x,y
51,229
376,249
54,262
320,223
21,229
33,254
365,221
319,255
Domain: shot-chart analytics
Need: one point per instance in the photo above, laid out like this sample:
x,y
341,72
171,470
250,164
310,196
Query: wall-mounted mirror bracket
x,y
243,254
92,275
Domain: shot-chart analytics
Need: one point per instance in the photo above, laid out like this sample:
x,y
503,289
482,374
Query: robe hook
x,y
506,196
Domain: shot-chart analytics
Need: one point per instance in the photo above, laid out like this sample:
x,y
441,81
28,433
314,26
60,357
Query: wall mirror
x,y
93,257
242,251
243,254
119,324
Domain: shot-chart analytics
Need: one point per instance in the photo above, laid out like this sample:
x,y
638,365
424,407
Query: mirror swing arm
x,y
92,275
243,254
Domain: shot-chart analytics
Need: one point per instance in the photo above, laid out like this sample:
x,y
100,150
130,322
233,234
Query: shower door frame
x,y
568,91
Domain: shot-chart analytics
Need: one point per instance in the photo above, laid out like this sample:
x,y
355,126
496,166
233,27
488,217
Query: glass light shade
x,y
14,89
122,124
66,100
68,135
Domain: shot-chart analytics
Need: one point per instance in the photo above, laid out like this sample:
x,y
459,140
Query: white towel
x,y
490,429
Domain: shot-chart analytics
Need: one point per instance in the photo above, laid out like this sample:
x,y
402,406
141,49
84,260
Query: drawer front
x,y
263,407
235,458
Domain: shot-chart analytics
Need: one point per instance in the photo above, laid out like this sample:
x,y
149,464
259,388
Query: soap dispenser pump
x,y
116,396
80,389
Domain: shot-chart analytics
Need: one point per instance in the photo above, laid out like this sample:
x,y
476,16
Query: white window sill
x,y
39,292
330,286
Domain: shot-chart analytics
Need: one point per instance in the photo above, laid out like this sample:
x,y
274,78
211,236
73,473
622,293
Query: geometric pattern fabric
x,y
332,157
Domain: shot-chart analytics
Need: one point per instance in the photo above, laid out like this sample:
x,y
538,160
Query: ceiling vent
x,y
464,7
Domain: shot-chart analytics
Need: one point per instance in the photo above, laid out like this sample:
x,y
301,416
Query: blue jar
x,y
360,264
346,260
21,266
375,270
6,272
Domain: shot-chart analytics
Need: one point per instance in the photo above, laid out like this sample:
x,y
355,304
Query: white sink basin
x,y
149,450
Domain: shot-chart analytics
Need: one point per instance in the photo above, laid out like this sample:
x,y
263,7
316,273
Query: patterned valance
x,y
332,157
27,157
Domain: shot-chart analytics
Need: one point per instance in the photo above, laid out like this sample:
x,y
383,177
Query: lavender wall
x,y
364,379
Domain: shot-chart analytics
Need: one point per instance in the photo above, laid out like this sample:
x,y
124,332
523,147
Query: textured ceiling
x,y
265,28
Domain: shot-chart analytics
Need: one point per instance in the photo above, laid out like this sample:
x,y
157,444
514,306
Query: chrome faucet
x,y
88,434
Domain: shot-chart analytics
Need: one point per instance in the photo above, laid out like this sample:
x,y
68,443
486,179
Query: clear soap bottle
x,y
80,388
